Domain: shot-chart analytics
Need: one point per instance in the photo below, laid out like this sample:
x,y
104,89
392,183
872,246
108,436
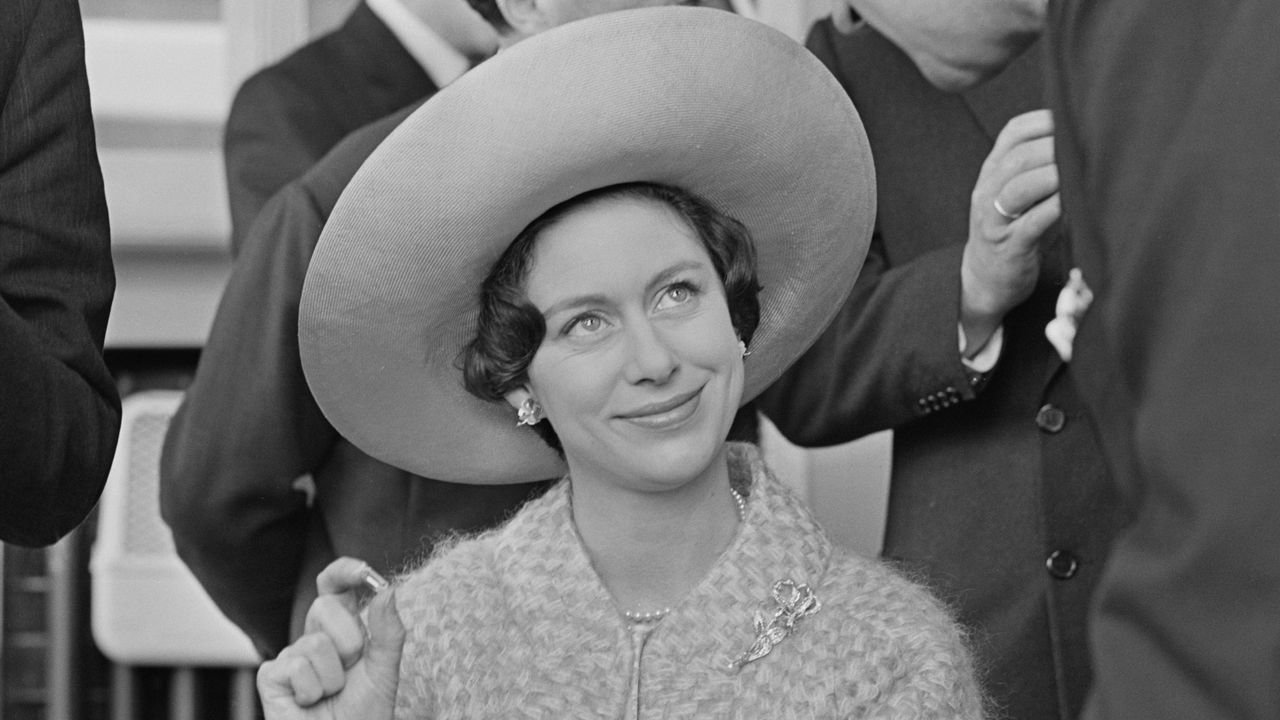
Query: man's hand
x,y
1014,202
332,671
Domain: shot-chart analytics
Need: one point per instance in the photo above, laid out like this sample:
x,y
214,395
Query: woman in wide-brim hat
x,y
582,258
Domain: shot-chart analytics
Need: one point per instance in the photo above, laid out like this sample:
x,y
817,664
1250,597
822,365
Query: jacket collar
x,y
550,578
1015,90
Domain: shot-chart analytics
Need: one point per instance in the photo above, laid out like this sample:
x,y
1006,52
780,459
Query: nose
x,y
652,359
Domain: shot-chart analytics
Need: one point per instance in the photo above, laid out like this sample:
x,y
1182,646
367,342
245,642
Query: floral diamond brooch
x,y
791,602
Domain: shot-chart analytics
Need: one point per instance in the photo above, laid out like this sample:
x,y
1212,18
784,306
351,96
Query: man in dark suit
x,y
59,408
1166,117
386,55
998,495
249,427
1171,182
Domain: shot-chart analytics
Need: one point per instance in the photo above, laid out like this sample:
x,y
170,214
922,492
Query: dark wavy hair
x,y
510,329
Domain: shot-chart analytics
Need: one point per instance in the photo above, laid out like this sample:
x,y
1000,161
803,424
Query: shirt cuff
x,y
985,359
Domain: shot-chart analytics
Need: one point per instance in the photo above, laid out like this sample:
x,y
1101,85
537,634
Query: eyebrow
x,y
599,299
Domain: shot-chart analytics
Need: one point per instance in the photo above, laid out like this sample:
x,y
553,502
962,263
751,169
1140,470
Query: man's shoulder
x,y
313,70
326,180
301,208
306,73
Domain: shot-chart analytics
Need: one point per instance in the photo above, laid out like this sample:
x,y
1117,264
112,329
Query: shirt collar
x,y
442,62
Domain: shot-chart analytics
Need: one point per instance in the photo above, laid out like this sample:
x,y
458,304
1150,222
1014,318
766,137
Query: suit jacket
x,y
249,427
287,116
59,408
1171,188
998,494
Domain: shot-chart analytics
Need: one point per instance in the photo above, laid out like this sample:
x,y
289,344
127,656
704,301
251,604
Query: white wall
x,y
162,78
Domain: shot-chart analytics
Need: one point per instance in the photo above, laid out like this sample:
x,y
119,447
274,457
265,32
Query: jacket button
x,y
1062,564
1050,418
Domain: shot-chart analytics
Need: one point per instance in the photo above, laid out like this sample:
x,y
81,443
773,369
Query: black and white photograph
x,y
639,359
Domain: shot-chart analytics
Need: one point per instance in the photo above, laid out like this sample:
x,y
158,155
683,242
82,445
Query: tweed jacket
x,y
998,493
287,116
59,407
1171,194
516,623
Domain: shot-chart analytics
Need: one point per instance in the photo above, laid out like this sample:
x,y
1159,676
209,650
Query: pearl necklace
x,y
638,618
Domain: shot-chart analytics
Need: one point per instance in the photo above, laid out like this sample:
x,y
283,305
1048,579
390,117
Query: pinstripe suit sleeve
x,y
59,408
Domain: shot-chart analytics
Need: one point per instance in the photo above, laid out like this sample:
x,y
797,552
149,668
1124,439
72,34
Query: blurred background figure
x,y
59,407
386,55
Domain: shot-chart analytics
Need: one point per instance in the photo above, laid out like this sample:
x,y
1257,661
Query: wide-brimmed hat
x,y
702,99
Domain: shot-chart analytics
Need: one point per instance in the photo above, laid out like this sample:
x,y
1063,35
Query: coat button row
x,y
1050,418
1062,564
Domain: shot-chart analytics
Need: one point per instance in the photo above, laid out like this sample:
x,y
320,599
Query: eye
x,y
583,325
677,294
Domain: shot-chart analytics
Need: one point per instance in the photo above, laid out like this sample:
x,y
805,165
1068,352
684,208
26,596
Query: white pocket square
x,y
1073,302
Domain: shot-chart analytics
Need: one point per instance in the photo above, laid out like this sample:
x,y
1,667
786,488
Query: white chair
x,y
146,607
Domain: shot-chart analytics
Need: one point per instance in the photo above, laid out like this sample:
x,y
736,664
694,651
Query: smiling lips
x,y
665,414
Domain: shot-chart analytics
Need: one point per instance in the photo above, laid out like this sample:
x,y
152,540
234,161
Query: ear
x,y
524,16
516,397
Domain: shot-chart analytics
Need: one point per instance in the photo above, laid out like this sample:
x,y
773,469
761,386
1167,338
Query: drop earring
x,y
742,347
529,413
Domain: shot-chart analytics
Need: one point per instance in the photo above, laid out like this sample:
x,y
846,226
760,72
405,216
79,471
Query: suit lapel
x,y
994,102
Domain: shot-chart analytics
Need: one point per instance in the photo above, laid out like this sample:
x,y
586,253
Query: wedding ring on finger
x,y
1010,216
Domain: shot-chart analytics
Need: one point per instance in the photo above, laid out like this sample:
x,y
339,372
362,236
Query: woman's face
x,y
640,372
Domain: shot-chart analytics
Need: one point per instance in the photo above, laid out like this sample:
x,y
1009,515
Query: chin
x,y
674,461
950,78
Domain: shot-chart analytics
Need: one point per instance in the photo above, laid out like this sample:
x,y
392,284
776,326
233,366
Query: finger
x,y
335,617
1017,149
291,678
386,643
1021,128
1039,217
1003,166
343,575
1026,156
322,655
327,664
1021,193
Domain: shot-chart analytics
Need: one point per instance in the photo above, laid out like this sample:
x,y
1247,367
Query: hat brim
x,y
702,99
